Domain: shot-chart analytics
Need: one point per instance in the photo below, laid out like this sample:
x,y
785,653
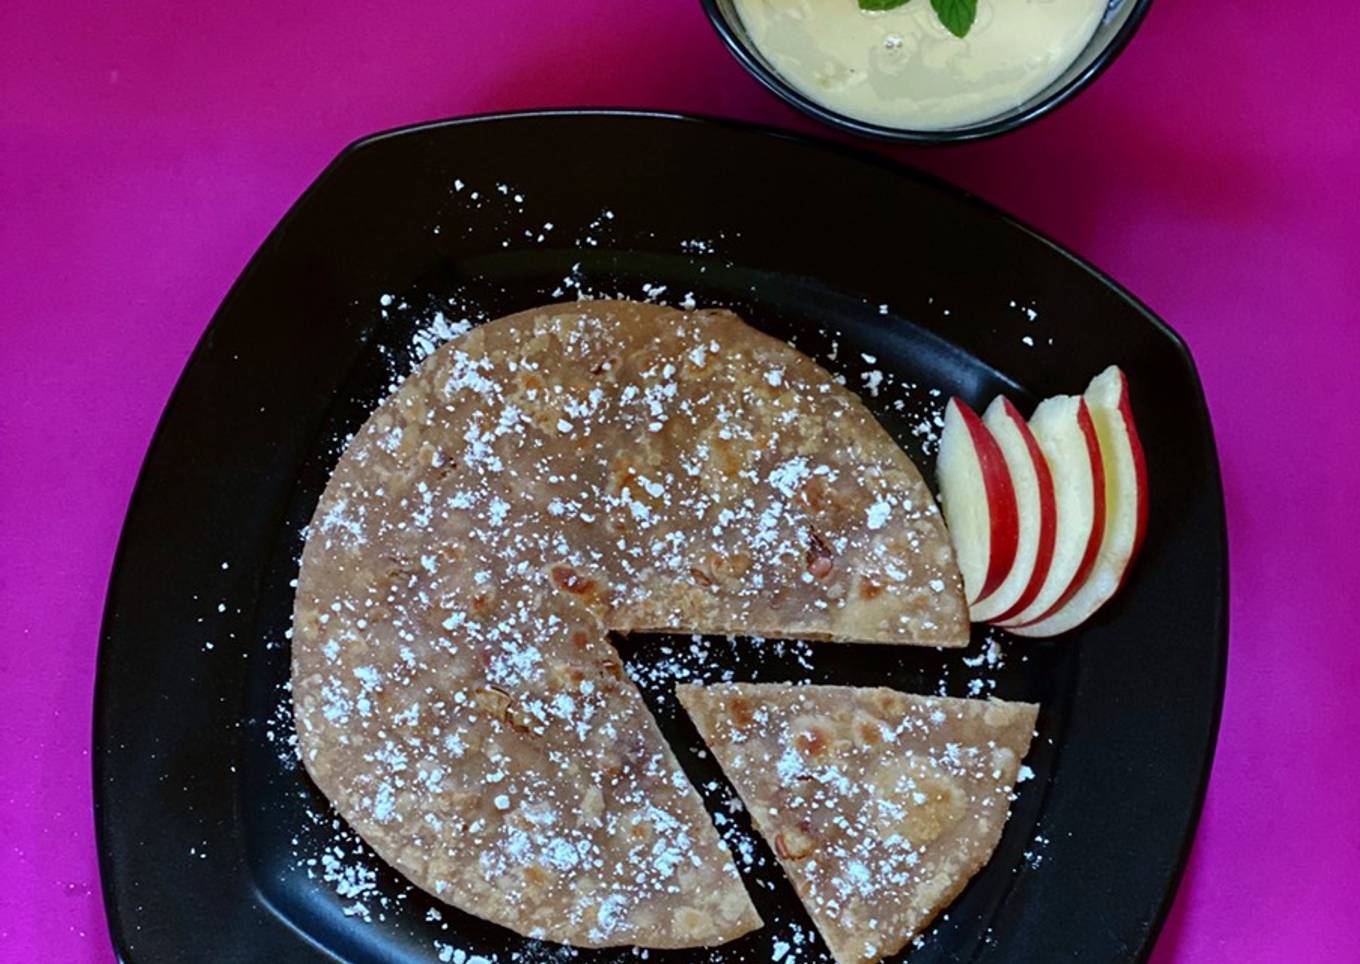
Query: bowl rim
x,y
731,35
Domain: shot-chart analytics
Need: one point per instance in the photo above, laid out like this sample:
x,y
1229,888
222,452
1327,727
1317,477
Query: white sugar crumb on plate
x,y
1030,312
439,329
991,655
449,954
1037,853
696,246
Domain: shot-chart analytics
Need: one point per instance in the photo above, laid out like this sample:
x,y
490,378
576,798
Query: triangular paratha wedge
x,y
537,483
880,806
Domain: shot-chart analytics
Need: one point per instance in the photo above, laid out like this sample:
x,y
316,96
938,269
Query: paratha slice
x,y
539,482
880,806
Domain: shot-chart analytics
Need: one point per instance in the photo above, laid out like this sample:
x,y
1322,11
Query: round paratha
x,y
535,484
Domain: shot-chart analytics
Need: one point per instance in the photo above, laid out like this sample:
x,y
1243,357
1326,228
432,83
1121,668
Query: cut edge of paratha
x,y
879,805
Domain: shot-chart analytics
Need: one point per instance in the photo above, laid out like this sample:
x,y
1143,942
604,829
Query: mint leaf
x,y
956,15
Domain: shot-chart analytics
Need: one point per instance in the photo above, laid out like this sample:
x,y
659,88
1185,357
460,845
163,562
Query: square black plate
x,y
213,843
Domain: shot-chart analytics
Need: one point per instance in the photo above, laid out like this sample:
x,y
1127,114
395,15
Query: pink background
x,y
146,148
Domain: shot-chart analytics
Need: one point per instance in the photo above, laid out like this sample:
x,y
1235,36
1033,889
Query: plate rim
x,y
891,166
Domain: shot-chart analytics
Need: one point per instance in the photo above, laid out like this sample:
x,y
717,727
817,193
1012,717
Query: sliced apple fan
x,y
1046,516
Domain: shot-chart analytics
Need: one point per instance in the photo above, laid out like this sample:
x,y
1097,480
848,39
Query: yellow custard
x,y
902,68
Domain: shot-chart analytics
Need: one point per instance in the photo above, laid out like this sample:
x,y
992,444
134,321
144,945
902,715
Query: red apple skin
x,y
1088,559
1139,471
1002,511
1048,509
1121,437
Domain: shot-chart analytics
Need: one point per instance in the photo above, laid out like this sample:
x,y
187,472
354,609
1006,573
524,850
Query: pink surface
x,y
146,148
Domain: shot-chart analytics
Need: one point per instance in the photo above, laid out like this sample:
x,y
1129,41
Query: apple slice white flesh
x,y
1038,514
979,500
1126,505
1063,427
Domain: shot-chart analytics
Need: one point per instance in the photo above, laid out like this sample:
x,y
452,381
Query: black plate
x,y
215,846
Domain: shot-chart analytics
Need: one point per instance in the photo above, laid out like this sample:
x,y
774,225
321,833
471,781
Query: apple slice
x,y
1126,505
979,500
1066,434
1038,514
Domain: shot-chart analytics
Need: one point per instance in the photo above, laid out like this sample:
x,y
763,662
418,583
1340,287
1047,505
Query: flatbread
x,y
880,806
542,480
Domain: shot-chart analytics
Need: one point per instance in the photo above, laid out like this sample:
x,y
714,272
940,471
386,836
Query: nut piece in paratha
x,y
880,806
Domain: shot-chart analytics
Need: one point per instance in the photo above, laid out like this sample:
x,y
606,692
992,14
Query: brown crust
x,y
544,479
880,806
